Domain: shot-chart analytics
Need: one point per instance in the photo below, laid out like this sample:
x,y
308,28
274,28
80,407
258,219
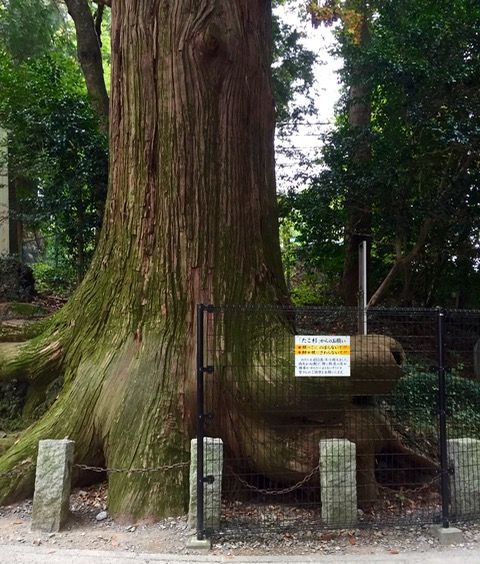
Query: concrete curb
x,y
10,554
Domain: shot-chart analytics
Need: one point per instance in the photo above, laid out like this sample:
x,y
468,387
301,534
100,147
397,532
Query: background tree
x,y
422,176
354,39
57,156
88,28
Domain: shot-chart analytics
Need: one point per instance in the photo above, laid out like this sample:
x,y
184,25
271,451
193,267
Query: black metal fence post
x,y
442,409
200,422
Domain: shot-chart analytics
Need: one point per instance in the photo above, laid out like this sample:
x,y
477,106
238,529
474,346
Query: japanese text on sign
x,y
322,355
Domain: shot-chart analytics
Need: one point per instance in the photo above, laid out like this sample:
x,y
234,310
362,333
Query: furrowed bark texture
x,y
190,218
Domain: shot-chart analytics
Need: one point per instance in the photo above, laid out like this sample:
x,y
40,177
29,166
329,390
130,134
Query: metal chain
x,y
21,469
283,491
418,489
310,475
132,470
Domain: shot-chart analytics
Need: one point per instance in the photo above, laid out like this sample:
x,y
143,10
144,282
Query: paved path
x,y
39,555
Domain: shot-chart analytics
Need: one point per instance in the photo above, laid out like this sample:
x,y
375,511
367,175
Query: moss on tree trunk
x,y
190,217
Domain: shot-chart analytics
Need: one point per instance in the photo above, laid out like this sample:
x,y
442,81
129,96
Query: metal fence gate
x,y
412,387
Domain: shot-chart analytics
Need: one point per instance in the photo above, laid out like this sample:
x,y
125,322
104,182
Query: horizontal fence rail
x,y
324,427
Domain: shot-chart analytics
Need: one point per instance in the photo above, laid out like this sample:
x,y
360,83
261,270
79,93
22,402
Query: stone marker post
x,y
212,495
338,483
52,485
464,455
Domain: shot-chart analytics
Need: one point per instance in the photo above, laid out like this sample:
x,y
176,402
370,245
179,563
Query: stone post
x,y
212,497
52,485
338,483
464,456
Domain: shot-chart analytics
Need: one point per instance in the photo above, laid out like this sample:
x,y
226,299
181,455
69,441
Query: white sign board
x,y
322,355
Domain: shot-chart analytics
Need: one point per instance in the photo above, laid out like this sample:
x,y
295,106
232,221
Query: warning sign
x,y
322,355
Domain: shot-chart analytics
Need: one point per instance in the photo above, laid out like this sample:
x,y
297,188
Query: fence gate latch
x,y
207,369
209,479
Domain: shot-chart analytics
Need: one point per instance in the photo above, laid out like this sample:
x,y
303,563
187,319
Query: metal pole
x,y
442,405
200,423
362,287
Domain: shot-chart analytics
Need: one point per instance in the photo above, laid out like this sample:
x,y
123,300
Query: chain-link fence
x,y
325,427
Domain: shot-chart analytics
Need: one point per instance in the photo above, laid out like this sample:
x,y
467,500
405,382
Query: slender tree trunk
x,y
357,204
90,56
359,216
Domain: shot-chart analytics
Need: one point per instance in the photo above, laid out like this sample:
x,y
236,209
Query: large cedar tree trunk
x,y
190,217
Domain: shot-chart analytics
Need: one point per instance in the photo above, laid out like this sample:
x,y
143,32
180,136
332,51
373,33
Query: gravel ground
x,y
170,535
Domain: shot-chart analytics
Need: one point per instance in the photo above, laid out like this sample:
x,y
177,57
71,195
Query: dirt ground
x,y
84,531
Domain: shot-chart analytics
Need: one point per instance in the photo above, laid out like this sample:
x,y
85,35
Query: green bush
x,y
415,402
48,277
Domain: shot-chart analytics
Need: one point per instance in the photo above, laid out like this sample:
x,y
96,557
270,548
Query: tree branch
x,y
98,18
401,262
90,57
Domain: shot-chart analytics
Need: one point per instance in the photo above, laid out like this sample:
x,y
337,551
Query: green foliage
x,y
57,156
57,276
58,160
292,71
313,271
421,69
28,27
307,286
309,290
415,401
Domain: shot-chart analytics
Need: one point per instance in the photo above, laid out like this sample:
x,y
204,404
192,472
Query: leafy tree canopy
x,y
422,68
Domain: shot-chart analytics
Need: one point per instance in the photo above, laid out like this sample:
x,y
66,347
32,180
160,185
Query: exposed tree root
x,y
117,415
122,415
284,445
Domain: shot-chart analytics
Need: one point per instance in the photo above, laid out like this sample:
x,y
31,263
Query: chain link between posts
x,y
163,468
19,470
273,492
415,490
22,469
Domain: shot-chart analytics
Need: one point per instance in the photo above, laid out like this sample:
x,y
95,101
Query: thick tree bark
x,y
90,57
190,217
